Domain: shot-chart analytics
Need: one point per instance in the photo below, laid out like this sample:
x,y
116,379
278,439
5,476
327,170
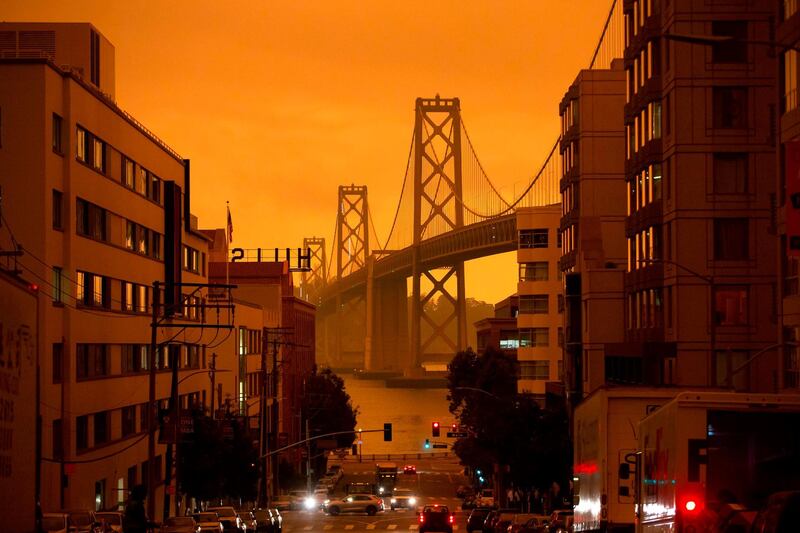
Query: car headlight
x,y
393,500
326,502
380,490
310,503
412,501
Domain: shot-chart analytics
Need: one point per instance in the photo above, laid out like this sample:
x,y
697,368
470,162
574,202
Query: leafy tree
x,y
213,466
328,409
506,428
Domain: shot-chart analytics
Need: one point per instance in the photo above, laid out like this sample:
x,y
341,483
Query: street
x,y
435,482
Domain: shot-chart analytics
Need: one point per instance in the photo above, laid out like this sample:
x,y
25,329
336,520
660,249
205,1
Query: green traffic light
x,y
427,443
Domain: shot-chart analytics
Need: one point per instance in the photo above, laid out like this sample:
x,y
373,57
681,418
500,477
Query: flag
x,y
230,226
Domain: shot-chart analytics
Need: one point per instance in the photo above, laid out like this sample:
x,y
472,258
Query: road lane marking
x,y
349,526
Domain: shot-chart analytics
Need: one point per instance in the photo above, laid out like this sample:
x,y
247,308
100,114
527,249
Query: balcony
x,y
647,277
651,152
568,260
649,92
649,215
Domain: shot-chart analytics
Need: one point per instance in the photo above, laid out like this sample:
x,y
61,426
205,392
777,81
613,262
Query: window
x,y
730,305
145,474
128,420
733,50
58,435
98,154
730,107
655,130
534,304
538,370
81,432
82,144
191,259
90,220
725,363
508,340
135,358
58,134
731,239
533,271
533,238
58,285
58,210
93,290
141,181
131,476
58,361
730,173
560,337
154,192
142,240
143,416
94,56
534,337
102,428
128,169
620,369
91,361
790,59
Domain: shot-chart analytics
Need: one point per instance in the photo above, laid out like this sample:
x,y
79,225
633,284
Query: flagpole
x,y
227,243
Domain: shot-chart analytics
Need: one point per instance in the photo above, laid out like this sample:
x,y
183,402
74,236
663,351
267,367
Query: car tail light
x,y
421,518
451,518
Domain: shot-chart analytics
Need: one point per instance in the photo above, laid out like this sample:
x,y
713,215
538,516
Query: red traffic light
x,y
435,429
436,424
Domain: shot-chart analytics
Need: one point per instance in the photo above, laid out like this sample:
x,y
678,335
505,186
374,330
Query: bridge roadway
x,y
489,237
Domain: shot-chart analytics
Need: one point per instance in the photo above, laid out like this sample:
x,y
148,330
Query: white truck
x,y
711,462
605,434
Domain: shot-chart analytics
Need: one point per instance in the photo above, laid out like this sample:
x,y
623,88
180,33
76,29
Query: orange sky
x,y
278,102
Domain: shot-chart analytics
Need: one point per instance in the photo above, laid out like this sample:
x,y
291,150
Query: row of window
x,y
537,370
569,157
645,127
94,152
142,240
533,238
650,308
249,341
570,198
570,116
644,248
93,360
644,188
645,65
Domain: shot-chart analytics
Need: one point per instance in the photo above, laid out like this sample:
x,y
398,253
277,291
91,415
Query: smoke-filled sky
x,y
278,102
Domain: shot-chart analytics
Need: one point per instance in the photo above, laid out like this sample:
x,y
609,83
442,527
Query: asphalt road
x,y
435,482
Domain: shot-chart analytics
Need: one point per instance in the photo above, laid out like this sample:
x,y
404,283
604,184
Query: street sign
x,y
456,434
187,424
435,445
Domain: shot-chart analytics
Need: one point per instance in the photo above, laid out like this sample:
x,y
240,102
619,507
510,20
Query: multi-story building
x,y
593,222
100,206
541,302
700,163
499,332
788,161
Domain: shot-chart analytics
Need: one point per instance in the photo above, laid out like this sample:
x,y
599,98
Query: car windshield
x,y
112,519
52,523
179,521
206,517
436,510
402,492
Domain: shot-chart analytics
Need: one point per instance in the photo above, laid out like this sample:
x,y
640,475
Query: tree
x,y
506,428
215,463
328,409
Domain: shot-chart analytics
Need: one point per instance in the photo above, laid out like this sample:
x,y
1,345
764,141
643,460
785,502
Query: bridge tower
x,y
438,208
352,252
314,280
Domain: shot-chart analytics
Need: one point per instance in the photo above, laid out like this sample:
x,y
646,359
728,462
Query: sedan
x,y
207,522
179,524
355,503
410,469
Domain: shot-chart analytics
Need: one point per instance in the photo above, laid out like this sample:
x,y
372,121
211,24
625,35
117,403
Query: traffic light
x,y
435,429
427,444
387,432
454,426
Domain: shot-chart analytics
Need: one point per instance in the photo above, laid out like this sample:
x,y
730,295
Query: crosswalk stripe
x,y
349,526
391,526
328,527
413,527
370,526
307,528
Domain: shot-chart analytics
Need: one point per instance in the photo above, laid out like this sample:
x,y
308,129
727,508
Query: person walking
x,y
135,518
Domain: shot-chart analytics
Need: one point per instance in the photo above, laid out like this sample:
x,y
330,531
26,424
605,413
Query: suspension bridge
x,y
449,211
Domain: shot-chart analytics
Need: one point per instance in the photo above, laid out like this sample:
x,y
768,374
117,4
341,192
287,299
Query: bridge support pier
x,y
386,342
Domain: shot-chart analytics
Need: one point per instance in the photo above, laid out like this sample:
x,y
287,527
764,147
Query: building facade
x,y
541,302
593,255
101,209
788,161
500,331
699,164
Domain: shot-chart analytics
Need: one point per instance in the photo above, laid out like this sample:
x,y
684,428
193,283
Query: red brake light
x,y
421,518
451,518
690,505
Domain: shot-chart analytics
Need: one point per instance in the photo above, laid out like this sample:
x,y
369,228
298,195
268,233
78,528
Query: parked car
x,y
109,521
207,522
464,490
248,520
179,524
67,522
470,502
354,503
561,521
504,520
410,469
228,518
536,524
81,520
476,519
298,499
494,517
282,503
436,518
268,520
403,499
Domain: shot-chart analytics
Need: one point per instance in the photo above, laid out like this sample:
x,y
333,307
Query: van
x,y
485,498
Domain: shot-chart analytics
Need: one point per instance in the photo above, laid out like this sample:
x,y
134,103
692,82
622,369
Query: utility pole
x,y
174,414
212,374
273,422
262,416
308,458
151,405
